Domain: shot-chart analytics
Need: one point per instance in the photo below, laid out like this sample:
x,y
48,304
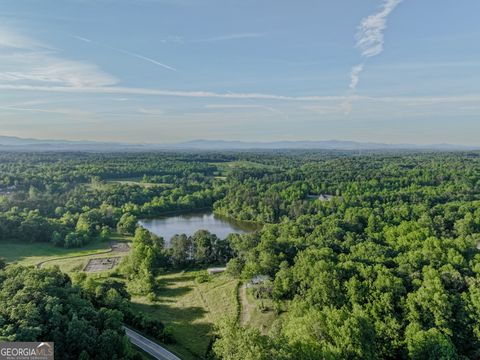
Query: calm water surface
x,y
169,226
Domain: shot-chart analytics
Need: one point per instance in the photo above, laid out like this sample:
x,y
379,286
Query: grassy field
x,y
69,265
261,314
139,183
34,253
31,254
131,181
229,165
191,309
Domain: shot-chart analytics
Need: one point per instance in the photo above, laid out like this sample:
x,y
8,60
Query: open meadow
x,y
191,308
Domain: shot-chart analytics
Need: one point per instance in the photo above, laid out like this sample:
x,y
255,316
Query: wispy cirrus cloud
x,y
119,90
151,111
126,52
370,38
13,40
48,111
159,92
39,68
25,61
370,41
355,76
81,38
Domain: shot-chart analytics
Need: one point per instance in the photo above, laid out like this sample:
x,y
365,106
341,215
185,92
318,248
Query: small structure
x,y
261,287
216,270
258,280
7,190
324,197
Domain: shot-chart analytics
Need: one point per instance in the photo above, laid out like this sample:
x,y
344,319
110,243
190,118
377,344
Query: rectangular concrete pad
x,y
102,264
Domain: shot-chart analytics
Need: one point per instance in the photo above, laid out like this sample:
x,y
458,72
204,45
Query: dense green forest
x,y
368,256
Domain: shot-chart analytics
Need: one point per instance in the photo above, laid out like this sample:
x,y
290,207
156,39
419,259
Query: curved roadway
x,y
149,346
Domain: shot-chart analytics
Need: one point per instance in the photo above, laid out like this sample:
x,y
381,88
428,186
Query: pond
x,y
188,224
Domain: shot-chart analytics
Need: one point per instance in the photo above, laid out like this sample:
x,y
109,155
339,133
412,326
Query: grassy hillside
x,y
191,308
33,253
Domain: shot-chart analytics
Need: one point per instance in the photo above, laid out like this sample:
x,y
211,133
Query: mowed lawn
x,y
33,253
191,309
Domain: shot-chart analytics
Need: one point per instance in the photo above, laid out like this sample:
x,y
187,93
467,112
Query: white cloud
x,y
14,40
410,100
355,76
370,41
159,92
36,68
369,37
81,38
126,52
25,61
150,111
141,57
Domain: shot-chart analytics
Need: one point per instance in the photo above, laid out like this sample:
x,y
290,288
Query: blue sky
x,y
173,70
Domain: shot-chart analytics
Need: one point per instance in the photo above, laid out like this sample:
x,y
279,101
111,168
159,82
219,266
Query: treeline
x,y
388,269
38,304
291,188
149,257
84,318
113,294
71,199
385,266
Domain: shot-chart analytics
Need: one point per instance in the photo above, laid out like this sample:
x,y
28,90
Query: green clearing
x,y
191,309
33,253
226,166
131,182
261,314
77,262
69,265
139,183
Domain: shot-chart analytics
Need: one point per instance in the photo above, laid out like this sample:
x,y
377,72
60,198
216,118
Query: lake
x,y
169,226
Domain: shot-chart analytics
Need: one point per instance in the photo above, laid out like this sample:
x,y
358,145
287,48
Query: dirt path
x,y
245,306
112,248
41,263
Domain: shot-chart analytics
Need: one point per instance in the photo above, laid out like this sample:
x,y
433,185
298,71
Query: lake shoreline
x,y
188,223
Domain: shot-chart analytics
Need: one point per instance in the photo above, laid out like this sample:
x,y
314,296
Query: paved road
x,y
149,346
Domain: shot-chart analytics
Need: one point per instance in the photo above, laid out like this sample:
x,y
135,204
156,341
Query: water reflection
x,y
167,227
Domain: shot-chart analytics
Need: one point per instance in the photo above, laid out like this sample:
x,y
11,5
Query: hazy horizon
x,y
163,71
218,144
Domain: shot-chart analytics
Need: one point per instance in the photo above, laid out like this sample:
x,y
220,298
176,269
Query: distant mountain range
x,y
10,143
311,145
